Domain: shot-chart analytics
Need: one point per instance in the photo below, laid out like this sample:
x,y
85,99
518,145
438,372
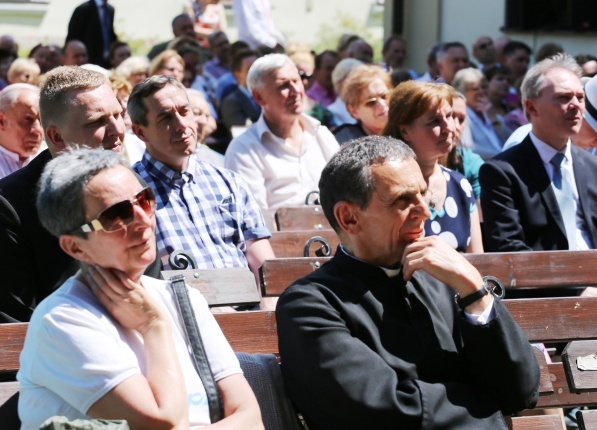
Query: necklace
x,y
432,199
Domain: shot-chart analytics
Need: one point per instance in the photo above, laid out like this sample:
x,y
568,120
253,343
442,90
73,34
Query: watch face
x,y
494,286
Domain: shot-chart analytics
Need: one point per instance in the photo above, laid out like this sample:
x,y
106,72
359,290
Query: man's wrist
x,y
490,285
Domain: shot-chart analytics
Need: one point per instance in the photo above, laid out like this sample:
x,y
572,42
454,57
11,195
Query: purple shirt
x,y
216,68
322,95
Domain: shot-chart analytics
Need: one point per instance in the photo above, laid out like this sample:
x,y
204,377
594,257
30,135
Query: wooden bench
x,y
301,218
543,269
294,244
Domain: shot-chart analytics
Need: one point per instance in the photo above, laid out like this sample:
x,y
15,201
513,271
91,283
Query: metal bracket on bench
x,y
325,250
309,201
182,260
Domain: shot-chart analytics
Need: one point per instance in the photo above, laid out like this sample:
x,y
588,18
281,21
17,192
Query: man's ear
x,y
139,132
71,244
55,138
346,215
2,121
353,112
257,97
529,107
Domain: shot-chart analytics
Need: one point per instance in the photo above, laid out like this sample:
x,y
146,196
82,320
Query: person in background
x,y
484,139
21,133
219,45
547,50
516,56
6,60
451,57
338,108
23,70
305,63
182,26
588,63
393,53
432,73
255,24
280,156
463,160
360,50
205,125
210,17
74,53
484,52
41,54
239,106
322,89
421,115
498,87
365,92
119,51
133,69
168,63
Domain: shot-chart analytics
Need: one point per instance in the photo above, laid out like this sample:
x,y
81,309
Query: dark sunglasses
x,y
304,74
121,214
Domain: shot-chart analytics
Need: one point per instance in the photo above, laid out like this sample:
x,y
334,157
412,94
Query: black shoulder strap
x,y
199,357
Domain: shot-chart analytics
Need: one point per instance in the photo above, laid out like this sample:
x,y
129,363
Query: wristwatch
x,y
491,285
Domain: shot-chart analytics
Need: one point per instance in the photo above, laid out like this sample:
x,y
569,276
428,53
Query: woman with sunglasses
x,y
421,115
109,342
365,92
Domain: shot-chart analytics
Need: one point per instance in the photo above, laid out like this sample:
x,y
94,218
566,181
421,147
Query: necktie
x,y
563,192
106,28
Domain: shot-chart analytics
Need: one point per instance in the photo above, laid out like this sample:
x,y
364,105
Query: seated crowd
x,y
111,162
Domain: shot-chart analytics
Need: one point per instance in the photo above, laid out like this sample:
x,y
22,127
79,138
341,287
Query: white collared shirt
x,y
277,175
547,152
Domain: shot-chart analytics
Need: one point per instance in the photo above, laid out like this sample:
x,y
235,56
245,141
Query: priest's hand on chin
x,y
440,260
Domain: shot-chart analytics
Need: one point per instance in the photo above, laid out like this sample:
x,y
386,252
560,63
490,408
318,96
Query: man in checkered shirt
x,y
202,209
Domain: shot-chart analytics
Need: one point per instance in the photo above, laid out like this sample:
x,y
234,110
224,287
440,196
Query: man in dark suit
x,y
77,106
239,105
529,202
182,26
93,24
374,337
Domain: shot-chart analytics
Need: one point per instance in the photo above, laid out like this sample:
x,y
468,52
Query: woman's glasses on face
x,y
122,214
372,101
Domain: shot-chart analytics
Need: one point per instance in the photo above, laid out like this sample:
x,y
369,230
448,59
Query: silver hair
x,y
61,194
132,65
265,66
342,70
534,80
193,92
12,92
463,78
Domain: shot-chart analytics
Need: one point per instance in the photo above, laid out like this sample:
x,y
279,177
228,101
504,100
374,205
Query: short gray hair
x,y
61,194
347,176
342,70
11,93
463,78
265,66
55,98
132,65
136,107
534,80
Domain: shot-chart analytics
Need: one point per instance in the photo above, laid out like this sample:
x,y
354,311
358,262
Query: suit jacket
x,y
237,107
32,264
520,210
362,350
85,25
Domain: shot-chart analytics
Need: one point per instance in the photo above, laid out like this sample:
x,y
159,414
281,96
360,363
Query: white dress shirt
x,y
547,152
278,175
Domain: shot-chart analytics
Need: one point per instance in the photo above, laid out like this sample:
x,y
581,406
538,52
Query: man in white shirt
x,y
255,23
20,127
530,202
282,155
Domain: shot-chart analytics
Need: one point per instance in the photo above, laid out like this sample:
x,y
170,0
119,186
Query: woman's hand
x,y
127,301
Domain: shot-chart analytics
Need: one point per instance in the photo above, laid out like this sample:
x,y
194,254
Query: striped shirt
x,y
10,162
206,210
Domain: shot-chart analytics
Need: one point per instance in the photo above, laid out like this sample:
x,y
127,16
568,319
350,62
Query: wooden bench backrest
x,y
291,244
515,269
221,287
302,218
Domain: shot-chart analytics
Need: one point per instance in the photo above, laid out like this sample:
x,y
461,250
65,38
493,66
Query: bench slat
x,y
301,218
12,337
291,244
580,380
251,332
538,422
587,420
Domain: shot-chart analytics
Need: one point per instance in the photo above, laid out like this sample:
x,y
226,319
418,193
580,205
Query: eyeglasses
x,y
371,102
122,214
304,75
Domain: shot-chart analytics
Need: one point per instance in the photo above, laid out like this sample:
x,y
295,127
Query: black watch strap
x,y
491,284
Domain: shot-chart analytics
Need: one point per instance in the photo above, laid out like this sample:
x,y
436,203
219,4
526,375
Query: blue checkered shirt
x,y
206,210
